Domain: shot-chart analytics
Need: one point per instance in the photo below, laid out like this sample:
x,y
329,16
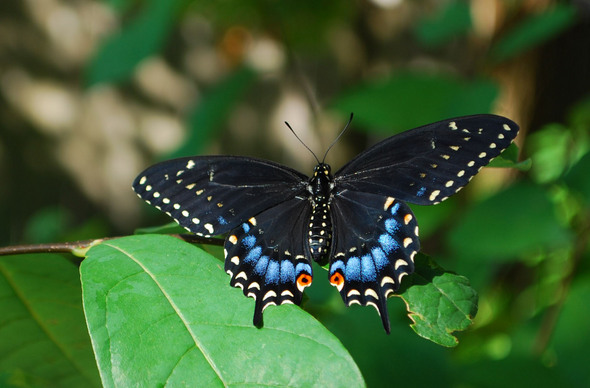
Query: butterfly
x,y
278,220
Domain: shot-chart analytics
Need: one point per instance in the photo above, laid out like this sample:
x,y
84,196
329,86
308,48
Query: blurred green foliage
x,y
523,247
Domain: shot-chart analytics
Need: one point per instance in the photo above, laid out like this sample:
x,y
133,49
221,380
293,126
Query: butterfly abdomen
x,y
320,221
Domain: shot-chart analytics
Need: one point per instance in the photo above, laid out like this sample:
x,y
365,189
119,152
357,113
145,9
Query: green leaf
x,y
161,311
406,100
43,336
518,220
453,19
509,159
577,177
213,110
169,228
534,31
438,302
116,60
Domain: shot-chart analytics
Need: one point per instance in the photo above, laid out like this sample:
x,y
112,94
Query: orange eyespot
x,y
336,279
303,280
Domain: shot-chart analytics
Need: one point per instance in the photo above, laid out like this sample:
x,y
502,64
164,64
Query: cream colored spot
x,y
446,157
399,263
388,202
407,242
471,163
493,145
166,201
482,155
453,125
199,192
500,136
148,188
454,148
176,206
233,239
185,213
387,280
196,221
190,164
142,180
461,173
252,221
434,194
190,187
449,183
156,195
235,260
371,292
506,127
209,228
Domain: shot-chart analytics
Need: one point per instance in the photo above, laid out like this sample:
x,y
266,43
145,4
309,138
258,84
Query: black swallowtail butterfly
x,y
277,219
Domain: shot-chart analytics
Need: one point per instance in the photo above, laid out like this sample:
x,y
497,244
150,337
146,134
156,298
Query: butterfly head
x,y
322,169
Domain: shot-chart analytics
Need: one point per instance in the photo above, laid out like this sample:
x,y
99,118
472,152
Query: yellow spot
x,y
199,192
142,180
461,173
190,187
407,242
422,175
471,164
190,164
449,183
446,157
482,155
219,204
453,125
148,188
209,198
454,148
252,221
434,165
408,217
388,202
493,145
506,127
500,136
233,239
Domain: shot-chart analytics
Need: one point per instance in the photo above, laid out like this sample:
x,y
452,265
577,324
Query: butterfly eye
x,y
303,281
337,280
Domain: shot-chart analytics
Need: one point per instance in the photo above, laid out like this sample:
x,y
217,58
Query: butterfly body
x,y
278,220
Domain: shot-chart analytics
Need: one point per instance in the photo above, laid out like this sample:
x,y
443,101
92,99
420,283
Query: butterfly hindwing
x,y
268,258
375,241
210,195
427,164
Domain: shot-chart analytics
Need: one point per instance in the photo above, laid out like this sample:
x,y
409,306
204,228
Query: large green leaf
x,y
43,337
577,177
406,100
517,220
453,18
214,109
160,311
117,58
534,31
438,302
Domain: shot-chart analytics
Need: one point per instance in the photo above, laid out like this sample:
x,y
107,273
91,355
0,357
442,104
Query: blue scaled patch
x,y
273,272
337,265
394,208
287,272
221,220
391,225
249,241
421,192
353,269
379,258
368,273
253,255
262,265
388,243
246,227
302,267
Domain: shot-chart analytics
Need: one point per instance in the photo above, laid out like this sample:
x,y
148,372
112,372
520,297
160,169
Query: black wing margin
x,y
211,195
430,163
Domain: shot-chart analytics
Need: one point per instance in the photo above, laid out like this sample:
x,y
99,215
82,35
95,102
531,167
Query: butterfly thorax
x,y
320,222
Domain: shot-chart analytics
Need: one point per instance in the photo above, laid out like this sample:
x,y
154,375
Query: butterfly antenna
x,y
337,138
301,141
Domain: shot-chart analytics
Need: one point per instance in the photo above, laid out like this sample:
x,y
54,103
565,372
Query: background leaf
x,y
160,311
43,337
406,100
121,53
534,31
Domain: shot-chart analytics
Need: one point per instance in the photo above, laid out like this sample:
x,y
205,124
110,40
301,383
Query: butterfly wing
x,y
211,195
374,242
267,256
430,163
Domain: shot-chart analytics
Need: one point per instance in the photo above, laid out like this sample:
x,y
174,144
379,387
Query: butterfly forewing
x,y
268,258
375,241
210,195
428,164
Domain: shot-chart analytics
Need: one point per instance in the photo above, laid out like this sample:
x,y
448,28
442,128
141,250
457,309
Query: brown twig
x,y
83,245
